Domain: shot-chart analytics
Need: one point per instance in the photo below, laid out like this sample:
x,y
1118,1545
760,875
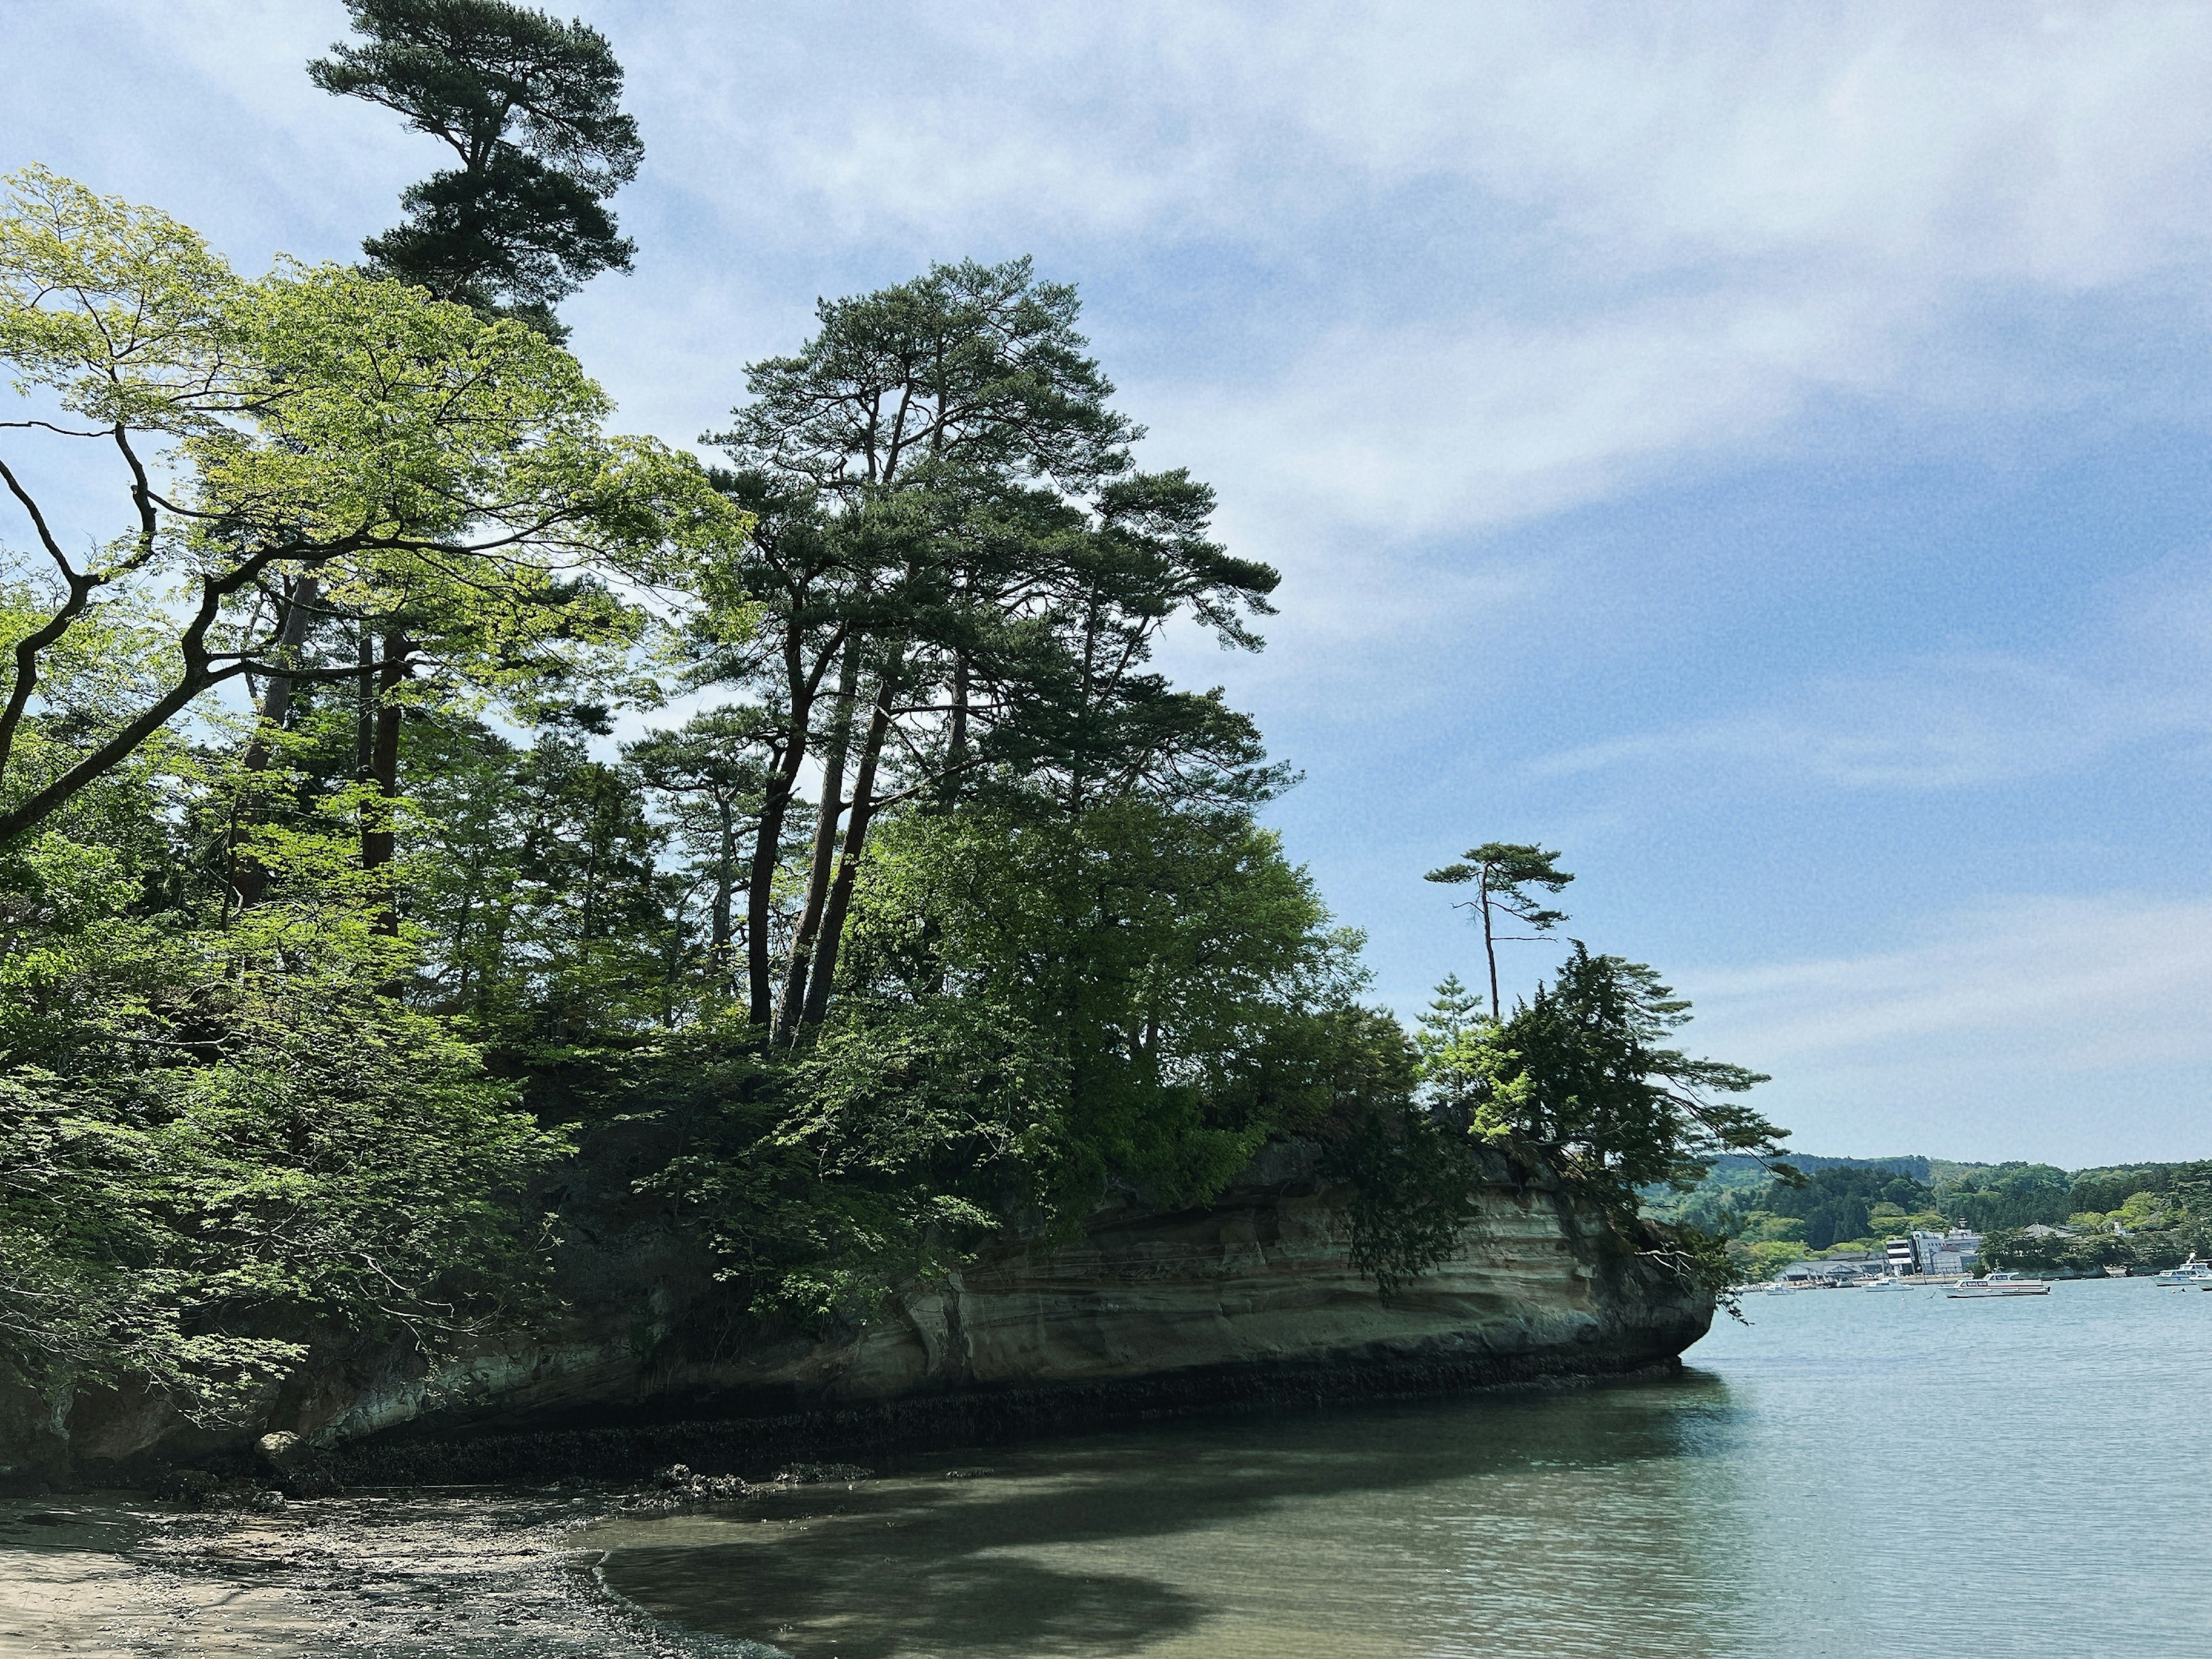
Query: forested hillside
x,y
2150,1215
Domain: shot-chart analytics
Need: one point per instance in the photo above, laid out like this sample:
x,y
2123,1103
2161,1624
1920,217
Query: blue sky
x,y
1760,451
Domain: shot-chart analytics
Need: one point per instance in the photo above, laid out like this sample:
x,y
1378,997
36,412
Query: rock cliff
x,y
1249,1300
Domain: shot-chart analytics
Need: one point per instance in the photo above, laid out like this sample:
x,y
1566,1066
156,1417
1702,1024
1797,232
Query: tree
x,y
712,785
1577,1071
217,1140
531,108
1152,952
1502,872
346,451
810,585
963,534
1443,1032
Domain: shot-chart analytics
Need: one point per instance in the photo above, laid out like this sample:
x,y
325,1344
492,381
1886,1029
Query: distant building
x,y
2039,1229
1954,1252
1898,1254
1840,1270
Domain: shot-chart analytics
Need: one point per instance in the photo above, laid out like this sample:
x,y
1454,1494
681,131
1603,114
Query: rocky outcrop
x,y
1249,1300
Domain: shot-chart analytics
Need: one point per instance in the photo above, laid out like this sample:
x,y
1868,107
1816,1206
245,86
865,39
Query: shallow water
x,y
1851,1475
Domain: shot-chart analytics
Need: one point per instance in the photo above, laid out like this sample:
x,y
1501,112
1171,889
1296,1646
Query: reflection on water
x,y
1852,1476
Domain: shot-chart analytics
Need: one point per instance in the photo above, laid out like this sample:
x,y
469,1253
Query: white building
x,y
1954,1252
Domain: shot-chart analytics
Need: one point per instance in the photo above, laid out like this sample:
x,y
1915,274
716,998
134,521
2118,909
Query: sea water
x,y
1849,1476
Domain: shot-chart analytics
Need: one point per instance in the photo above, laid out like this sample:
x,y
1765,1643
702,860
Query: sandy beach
x,y
401,1576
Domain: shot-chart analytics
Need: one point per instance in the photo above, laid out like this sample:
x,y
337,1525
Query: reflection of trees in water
x,y
1583,1503
860,1604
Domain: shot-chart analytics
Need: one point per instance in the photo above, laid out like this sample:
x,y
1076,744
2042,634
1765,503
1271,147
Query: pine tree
x,y
532,106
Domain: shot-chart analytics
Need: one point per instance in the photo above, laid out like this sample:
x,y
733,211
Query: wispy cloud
x,y
2025,1027
1496,261
2133,677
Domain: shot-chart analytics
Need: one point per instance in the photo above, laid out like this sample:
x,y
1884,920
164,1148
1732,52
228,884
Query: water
x,y
1857,1476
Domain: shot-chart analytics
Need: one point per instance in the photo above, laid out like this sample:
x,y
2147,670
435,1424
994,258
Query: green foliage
x,y
432,476
2010,1195
1836,1205
2167,1219
217,1140
1579,1069
531,107
1153,951
1413,1173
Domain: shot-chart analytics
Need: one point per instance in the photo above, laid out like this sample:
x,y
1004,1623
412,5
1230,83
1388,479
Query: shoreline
x,y
493,1573
624,1453
491,1569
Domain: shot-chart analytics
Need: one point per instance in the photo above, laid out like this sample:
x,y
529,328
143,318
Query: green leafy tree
x,y
960,532
444,481
532,109
710,781
1579,1070
1837,1205
220,1143
1502,874
1149,950
1443,1034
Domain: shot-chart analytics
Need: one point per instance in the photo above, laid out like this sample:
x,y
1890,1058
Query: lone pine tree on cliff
x,y
532,106
1502,874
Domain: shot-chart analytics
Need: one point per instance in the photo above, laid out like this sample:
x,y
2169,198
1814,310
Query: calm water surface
x,y
1851,1475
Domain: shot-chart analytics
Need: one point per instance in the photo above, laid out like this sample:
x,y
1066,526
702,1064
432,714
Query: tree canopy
x,y
359,883
326,446
532,109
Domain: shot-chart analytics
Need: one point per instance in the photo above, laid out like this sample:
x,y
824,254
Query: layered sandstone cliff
x,y
1250,1299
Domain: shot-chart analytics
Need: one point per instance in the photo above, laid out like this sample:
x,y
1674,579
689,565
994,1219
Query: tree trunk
x,y
1489,945
725,869
377,839
826,845
956,749
249,880
776,803
856,837
364,712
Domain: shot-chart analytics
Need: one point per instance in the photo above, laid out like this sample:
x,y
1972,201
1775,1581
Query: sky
x,y
1759,451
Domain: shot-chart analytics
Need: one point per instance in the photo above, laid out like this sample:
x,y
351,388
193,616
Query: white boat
x,y
2190,1274
1889,1285
1999,1284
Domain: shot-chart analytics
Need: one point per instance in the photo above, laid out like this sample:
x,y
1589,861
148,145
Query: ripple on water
x,y
1850,1476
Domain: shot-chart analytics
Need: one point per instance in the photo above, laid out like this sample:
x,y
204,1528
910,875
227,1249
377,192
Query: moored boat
x,y
2190,1274
1889,1285
1998,1285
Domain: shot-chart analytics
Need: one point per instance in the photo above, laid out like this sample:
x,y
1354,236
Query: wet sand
x,y
494,1575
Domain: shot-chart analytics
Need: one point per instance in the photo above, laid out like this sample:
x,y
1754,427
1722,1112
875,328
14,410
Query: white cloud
x,y
1412,434
2055,139
2134,678
2070,1028
1960,722
1515,257
1708,221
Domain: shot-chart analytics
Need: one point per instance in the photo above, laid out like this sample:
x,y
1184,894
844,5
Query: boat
x,y
2114,1270
2190,1274
1889,1285
1999,1284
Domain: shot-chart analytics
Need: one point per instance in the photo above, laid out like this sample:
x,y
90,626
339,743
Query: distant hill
x,y
1852,1205
1917,1167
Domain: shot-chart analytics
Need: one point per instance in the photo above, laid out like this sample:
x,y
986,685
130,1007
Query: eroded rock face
x,y
1250,1299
